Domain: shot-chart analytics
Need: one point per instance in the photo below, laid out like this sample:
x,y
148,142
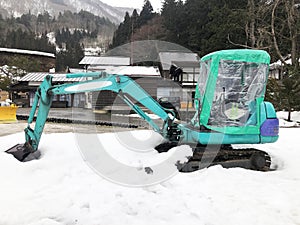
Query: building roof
x,y
190,64
105,60
131,71
39,77
27,52
167,58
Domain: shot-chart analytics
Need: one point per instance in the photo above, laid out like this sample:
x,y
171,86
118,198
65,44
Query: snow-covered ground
x,y
61,189
295,117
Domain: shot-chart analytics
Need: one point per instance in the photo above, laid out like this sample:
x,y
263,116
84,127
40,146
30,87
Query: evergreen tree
x,y
198,32
226,25
4,83
134,20
123,34
174,19
146,13
73,53
126,27
273,93
290,92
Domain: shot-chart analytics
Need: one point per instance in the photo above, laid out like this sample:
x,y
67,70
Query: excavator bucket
x,y
23,153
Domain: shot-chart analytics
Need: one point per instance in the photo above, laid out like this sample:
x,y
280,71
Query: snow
x,y
61,188
28,52
279,63
152,116
36,7
283,115
51,37
134,70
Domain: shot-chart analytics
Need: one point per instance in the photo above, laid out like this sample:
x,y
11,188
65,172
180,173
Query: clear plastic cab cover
x,y
202,81
238,85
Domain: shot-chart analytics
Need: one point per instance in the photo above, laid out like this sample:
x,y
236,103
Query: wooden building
x,y
189,63
277,68
147,77
23,92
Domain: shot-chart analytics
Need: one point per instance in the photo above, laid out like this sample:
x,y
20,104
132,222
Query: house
x,y
190,68
156,84
277,68
24,90
147,77
188,61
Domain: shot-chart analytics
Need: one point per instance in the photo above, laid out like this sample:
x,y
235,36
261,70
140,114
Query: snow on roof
x,y
27,52
278,63
166,58
39,77
131,71
103,60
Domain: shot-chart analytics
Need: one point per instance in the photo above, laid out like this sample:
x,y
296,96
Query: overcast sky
x,y
156,4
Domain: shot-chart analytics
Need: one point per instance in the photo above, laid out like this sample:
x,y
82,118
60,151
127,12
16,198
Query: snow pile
x,y
285,123
283,115
61,189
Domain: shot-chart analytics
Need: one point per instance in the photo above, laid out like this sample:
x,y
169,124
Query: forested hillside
x,y
208,25
70,32
11,28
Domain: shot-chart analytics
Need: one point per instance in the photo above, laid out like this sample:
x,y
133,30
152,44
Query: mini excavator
x,y
229,109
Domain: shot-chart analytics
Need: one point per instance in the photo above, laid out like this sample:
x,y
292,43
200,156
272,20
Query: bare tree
x,y
292,21
288,30
257,25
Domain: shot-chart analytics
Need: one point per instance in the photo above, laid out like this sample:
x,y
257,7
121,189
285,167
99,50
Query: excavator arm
x,y
126,88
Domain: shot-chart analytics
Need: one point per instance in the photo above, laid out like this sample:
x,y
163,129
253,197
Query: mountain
x,y
15,8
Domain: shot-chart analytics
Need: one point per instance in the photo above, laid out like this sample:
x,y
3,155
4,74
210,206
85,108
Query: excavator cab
x,y
230,109
230,96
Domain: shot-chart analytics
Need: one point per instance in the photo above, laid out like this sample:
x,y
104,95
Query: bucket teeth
x,y
23,153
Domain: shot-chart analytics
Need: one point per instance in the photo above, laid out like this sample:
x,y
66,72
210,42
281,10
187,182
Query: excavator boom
x,y
126,88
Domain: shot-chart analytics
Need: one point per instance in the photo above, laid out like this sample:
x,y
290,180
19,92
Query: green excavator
x,y
229,109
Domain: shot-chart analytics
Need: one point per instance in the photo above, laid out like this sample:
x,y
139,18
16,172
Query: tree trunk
x,y
278,52
252,23
289,115
291,21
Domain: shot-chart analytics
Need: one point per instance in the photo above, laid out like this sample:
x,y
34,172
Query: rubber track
x,y
248,158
